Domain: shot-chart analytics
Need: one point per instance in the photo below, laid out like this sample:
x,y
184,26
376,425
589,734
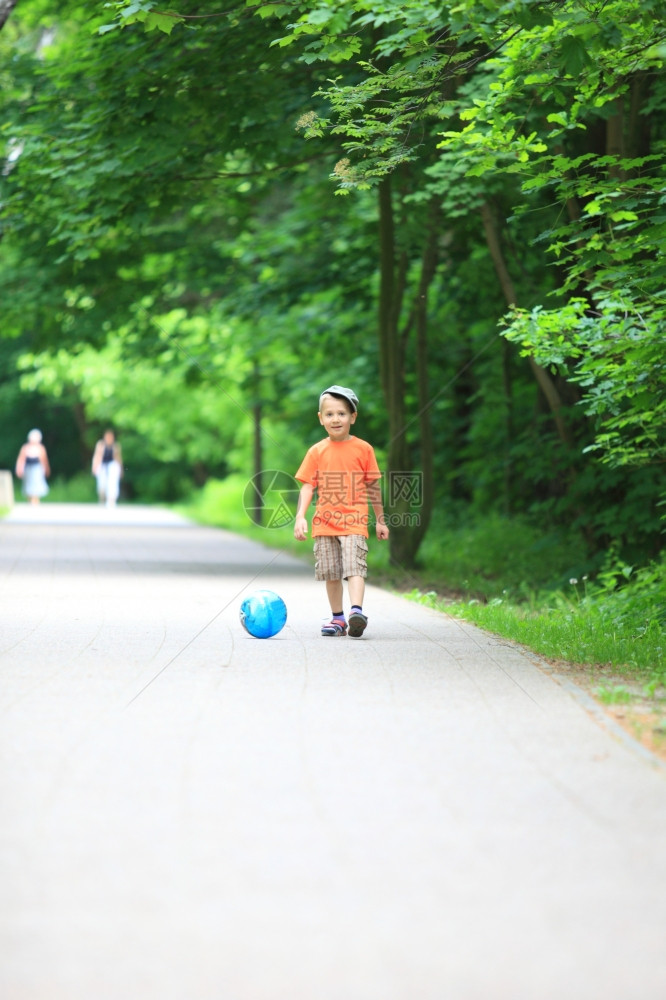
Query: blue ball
x,y
263,614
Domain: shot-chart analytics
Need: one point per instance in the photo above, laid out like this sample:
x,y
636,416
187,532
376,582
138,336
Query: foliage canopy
x,y
174,258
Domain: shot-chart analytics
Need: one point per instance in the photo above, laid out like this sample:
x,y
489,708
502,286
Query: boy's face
x,y
336,417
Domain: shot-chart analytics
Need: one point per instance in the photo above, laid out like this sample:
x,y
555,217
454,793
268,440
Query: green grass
x,y
602,630
490,556
613,625
617,694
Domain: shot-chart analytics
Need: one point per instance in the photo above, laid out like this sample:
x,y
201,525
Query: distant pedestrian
x,y
107,467
32,467
343,470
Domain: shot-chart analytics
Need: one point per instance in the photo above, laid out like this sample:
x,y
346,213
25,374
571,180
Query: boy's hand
x,y
382,531
300,529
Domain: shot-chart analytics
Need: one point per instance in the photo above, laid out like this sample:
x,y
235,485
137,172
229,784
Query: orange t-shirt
x,y
340,471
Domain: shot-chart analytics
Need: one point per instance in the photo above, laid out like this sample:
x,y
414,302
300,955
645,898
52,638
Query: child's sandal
x,y
334,627
357,624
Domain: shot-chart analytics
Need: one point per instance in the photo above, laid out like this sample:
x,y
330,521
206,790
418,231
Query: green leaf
x,y
574,55
162,22
624,216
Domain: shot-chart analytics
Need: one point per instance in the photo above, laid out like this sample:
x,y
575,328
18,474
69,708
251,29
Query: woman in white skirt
x,y
107,467
32,467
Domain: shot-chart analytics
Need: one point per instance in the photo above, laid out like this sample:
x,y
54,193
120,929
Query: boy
x,y
344,471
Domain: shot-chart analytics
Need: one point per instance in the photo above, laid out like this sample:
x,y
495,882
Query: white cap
x,y
339,390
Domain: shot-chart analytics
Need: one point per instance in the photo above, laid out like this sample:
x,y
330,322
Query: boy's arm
x,y
375,498
300,524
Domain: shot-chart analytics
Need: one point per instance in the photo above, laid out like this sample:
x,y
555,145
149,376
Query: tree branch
x,y
6,7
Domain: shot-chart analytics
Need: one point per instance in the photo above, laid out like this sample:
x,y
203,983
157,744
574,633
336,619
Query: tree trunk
x,y
507,386
615,138
257,445
409,492
544,381
428,267
639,125
391,367
81,421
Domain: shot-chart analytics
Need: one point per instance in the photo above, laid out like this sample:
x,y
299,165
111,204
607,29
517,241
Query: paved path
x,y
191,814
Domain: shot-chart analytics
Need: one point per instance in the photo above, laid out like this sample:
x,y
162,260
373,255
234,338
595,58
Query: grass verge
x,y
608,636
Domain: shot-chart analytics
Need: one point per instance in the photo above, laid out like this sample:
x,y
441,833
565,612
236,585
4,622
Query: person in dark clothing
x,y
107,467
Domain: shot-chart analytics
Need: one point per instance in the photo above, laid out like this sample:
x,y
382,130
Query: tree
x,y
106,231
567,111
150,175
516,83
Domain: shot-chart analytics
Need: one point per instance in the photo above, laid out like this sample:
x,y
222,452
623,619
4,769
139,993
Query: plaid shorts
x,y
337,557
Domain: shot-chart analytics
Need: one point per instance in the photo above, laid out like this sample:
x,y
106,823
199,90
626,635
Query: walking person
x,y
107,467
32,468
343,470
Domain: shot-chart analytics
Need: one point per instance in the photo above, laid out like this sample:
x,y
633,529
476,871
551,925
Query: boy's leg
x,y
335,595
328,567
355,565
356,588
357,622
338,623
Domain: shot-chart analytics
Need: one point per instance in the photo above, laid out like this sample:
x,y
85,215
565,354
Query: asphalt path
x,y
188,813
